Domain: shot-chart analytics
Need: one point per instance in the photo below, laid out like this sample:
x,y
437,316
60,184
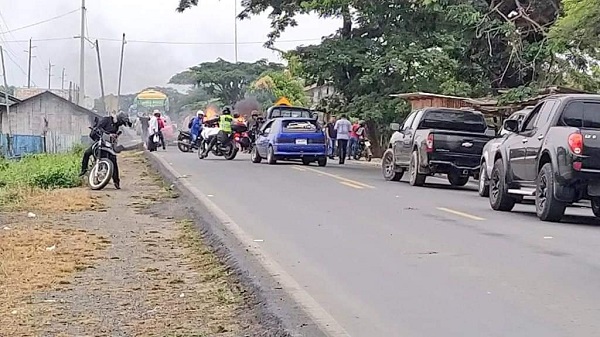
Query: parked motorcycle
x,y
184,142
364,150
242,140
102,167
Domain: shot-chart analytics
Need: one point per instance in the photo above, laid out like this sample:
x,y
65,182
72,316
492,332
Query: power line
x,y
40,22
167,42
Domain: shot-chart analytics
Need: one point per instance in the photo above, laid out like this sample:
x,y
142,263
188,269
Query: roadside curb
x,y
267,280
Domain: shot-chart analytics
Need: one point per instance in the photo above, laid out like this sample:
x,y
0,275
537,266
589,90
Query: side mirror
x,y
395,126
511,125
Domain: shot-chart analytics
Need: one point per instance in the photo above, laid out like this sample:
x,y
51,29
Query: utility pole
x,y
82,56
29,57
9,152
120,73
235,33
50,65
62,82
101,78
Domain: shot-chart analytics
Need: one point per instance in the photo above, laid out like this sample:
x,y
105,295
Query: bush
x,y
42,171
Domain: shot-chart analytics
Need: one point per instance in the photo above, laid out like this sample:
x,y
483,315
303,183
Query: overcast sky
x,y
210,25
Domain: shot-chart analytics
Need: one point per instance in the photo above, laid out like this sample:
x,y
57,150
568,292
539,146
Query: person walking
x,y
331,136
342,128
353,141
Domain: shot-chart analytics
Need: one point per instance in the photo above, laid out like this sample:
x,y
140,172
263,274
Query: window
x,y
533,117
408,122
581,114
458,120
299,126
545,113
266,129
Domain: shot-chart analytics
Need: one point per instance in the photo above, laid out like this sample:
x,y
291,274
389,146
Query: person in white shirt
x,y
343,128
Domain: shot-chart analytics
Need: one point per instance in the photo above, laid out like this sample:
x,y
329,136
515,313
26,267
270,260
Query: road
x,y
387,259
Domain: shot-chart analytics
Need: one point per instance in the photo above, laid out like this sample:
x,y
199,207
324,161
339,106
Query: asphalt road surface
x,y
387,259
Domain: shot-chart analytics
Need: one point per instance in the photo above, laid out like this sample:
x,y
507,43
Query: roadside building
x,y
45,122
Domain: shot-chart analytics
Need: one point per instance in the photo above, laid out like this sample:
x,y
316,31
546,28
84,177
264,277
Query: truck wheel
x,y
484,189
500,200
547,207
388,167
416,179
596,207
456,179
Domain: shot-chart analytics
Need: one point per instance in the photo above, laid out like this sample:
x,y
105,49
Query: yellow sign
x,y
283,101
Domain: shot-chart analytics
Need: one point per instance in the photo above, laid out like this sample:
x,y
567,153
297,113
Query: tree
x,y
275,84
225,80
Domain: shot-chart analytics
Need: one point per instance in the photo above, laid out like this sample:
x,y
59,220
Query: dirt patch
x,y
130,267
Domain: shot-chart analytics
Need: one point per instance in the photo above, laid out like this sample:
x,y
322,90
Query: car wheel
x,y
322,161
306,161
456,179
416,179
500,200
596,207
271,160
484,190
388,167
547,207
254,156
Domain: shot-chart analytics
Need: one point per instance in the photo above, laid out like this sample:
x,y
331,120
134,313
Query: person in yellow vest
x,y
225,121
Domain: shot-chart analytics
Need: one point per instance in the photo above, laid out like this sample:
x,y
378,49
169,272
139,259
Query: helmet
x,y
226,111
236,115
361,122
156,112
200,113
123,119
254,113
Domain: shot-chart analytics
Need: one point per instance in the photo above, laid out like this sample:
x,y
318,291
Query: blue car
x,y
291,138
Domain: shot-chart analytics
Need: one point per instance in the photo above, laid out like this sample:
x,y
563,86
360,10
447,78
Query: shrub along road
x,y
388,259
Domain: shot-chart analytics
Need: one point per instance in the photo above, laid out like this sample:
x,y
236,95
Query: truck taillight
x,y
576,143
429,142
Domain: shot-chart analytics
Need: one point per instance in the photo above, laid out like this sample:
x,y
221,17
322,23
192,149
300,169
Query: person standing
x,y
331,136
342,128
353,141
161,126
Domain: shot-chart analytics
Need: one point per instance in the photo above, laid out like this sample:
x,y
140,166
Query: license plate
x,y
367,143
301,142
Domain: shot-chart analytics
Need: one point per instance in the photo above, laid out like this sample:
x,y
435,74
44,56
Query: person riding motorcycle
x,y
110,125
225,120
196,125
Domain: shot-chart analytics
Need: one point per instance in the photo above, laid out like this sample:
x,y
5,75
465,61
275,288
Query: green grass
x,y
39,171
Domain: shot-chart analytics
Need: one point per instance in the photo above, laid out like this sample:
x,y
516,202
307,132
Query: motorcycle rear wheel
x,y
101,174
232,151
184,145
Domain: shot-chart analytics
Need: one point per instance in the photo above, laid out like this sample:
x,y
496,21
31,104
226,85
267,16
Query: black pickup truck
x,y
553,155
437,140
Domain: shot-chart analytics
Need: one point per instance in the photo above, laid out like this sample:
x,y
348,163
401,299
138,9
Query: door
x,y
262,141
517,145
405,136
535,136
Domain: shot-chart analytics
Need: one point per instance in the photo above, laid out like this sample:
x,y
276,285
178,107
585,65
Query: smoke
x,y
246,106
211,111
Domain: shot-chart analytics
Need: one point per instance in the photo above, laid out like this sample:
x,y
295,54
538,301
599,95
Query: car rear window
x,y
299,126
582,114
453,120
293,113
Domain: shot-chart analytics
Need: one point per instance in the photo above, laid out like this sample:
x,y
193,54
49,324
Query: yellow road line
x,y
335,176
464,215
351,185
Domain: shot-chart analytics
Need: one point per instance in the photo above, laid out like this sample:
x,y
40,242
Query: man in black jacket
x,y
110,125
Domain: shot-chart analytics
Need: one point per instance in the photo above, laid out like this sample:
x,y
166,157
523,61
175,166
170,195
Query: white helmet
x,y
200,113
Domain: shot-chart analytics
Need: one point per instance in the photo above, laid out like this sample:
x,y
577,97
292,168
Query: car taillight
x,y
576,143
429,142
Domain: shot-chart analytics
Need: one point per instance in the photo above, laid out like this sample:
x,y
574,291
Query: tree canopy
x,y
225,80
273,85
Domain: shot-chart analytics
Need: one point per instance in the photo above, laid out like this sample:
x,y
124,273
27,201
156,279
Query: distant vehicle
x,y
490,148
148,100
553,155
283,111
437,140
285,138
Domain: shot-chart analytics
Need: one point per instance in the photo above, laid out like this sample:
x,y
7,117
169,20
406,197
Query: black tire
x,y
182,146
457,180
547,207
388,167
500,200
369,157
484,188
254,156
306,161
108,166
271,160
322,161
415,178
357,156
596,207
232,151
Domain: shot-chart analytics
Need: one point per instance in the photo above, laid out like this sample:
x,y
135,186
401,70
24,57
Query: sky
x,y
201,34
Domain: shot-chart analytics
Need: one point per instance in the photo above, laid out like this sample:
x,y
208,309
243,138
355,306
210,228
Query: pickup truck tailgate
x,y
591,149
460,143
